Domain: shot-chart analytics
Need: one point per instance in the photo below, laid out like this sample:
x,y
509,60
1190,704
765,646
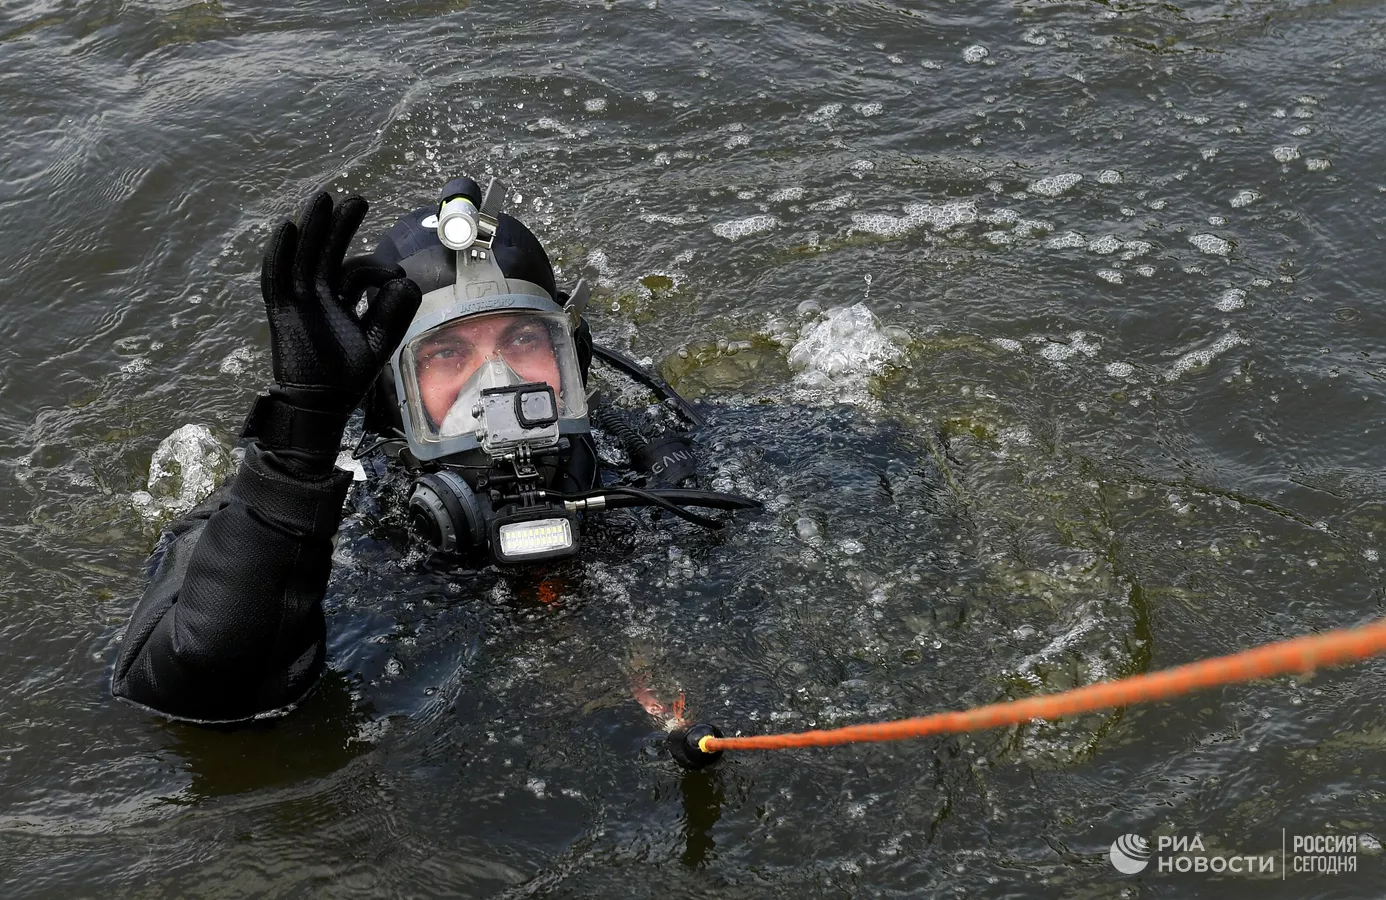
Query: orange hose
x,y
1303,654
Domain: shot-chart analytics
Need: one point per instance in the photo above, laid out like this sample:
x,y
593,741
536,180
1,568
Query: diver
x,y
471,369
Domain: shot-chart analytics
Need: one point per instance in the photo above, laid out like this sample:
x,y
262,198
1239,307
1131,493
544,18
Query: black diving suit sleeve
x,y
230,626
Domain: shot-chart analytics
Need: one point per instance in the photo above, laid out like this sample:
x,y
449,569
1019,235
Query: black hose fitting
x,y
683,747
668,459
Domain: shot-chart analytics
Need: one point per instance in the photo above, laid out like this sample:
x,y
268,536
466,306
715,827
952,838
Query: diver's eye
x,y
528,339
444,354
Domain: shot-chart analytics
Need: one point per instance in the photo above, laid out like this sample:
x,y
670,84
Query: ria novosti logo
x,y
1130,854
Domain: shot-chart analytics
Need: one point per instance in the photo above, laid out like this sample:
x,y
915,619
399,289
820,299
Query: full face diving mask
x,y
490,396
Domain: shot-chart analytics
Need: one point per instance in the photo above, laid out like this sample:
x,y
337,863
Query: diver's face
x,y
447,358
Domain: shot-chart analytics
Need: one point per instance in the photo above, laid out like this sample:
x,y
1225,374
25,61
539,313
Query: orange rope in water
x,y
1302,654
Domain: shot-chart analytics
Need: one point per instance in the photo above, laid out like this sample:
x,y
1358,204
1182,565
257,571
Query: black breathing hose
x,y
671,500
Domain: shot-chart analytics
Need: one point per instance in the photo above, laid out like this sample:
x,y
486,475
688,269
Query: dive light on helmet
x,y
450,516
457,223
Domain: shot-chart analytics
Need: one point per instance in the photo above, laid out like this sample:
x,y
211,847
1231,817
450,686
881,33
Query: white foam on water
x,y
1316,164
1121,370
1010,344
787,194
881,224
1109,176
825,113
1033,36
940,217
1217,220
861,167
841,201
1001,217
930,64
550,124
738,140
1031,227
1157,204
849,344
1078,343
944,216
1210,152
1105,245
740,228
237,362
1231,300
1211,244
869,109
1111,275
1285,154
1055,185
597,259
1199,359
1245,198
1145,271
596,104
662,219
1066,241
975,54
1135,249
1000,238
1301,131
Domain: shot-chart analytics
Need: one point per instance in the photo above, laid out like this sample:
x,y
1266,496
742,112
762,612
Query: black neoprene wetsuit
x,y
231,626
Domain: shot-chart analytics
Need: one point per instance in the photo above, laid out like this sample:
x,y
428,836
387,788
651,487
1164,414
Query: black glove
x,y
325,356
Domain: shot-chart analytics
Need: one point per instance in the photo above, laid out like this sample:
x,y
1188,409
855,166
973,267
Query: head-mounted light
x,y
457,223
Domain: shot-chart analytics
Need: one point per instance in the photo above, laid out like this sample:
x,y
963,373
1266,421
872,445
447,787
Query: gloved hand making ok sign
x,y
325,356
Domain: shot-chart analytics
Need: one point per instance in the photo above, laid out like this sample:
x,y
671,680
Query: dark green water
x,y
1097,426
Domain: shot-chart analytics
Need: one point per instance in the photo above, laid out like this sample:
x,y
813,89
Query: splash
x,y
849,345
185,468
